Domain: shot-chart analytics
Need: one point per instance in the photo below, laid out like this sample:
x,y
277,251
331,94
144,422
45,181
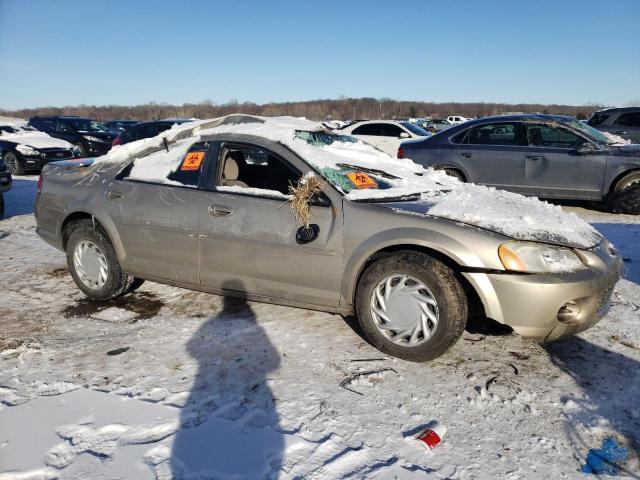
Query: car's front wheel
x,y
625,197
82,151
15,165
411,306
93,263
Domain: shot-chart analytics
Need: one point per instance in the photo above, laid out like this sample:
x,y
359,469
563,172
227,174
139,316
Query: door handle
x,y
113,195
218,211
467,154
535,157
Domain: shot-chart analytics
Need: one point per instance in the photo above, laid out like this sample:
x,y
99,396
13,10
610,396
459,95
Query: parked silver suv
x,y
409,251
624,122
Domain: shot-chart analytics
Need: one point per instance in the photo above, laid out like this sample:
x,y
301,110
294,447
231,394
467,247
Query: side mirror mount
x,y
319,199
404,135
585,149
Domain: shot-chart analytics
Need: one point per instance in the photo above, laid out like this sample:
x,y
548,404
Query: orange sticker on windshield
x,y
362,180
192,161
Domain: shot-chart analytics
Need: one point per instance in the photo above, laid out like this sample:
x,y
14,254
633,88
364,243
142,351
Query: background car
x,y
624,122
24,148
546,156
117,125
90,137
145,130
387,135
437,125
457,119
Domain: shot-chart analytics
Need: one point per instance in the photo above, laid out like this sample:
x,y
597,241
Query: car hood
x,y
509,214
632,150
36,140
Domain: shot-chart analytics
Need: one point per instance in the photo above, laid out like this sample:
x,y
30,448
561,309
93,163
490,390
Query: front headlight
x,y
93,139
533,257
27,150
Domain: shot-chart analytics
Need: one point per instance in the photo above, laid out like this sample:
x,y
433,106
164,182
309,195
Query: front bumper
x,y
530,304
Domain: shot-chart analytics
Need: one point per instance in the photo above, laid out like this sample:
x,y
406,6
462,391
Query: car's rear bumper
x,y
530,304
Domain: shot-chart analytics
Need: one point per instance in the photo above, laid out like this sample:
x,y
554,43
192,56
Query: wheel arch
x,y
630,169
457,168
77,215
474,302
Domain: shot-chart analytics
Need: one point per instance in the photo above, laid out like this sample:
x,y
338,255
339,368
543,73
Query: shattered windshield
x,y
346,177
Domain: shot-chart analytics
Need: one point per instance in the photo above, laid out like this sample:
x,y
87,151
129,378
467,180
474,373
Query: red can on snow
x,y
431,436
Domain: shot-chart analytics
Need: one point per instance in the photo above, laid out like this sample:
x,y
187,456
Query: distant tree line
x,y
340,109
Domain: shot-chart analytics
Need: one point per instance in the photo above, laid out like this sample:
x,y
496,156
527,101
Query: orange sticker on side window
x,y
192,161
362,180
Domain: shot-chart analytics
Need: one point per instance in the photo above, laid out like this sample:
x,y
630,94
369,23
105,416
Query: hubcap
x,y
404,310
90,264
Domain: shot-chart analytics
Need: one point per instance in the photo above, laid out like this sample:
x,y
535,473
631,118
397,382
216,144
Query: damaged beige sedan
x,y
280,210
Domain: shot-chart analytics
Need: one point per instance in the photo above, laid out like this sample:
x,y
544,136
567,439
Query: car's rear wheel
x,y
93,263
411,306
452,172
14,163
625,197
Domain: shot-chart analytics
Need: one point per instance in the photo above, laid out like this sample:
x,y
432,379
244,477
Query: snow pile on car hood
x,y
439,195
35,139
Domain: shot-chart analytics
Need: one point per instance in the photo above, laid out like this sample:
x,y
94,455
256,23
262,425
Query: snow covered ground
x,y
168,383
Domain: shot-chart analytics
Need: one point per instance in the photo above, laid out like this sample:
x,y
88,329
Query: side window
x,y
630,119
63,127
251,167
495,134
390,130
368,129
552,136
44,125
163,168
461,137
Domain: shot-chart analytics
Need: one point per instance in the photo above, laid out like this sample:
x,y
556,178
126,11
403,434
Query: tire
x,y
115,282
626,201
440,283
627,181
80,147
15,165
452,172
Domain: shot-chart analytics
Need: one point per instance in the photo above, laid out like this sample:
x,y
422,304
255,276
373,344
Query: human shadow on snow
x,y
229,425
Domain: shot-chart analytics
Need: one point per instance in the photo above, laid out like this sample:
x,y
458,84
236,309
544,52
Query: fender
x,y
445,245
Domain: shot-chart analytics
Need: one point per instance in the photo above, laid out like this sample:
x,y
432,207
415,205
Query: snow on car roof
x,y
504,212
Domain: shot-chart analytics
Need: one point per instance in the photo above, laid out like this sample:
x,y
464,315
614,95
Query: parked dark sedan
x,y
547,156
145,130
90,137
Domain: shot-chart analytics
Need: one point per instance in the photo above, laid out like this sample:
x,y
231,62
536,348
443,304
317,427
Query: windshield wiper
x,y
373,171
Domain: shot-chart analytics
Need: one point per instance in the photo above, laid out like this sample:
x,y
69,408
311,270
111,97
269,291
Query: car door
x,y
390,138
248,232
555,167
158,222
64,131
492,154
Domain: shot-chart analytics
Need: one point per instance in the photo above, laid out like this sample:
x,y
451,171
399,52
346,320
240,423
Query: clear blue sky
x,y
70,52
